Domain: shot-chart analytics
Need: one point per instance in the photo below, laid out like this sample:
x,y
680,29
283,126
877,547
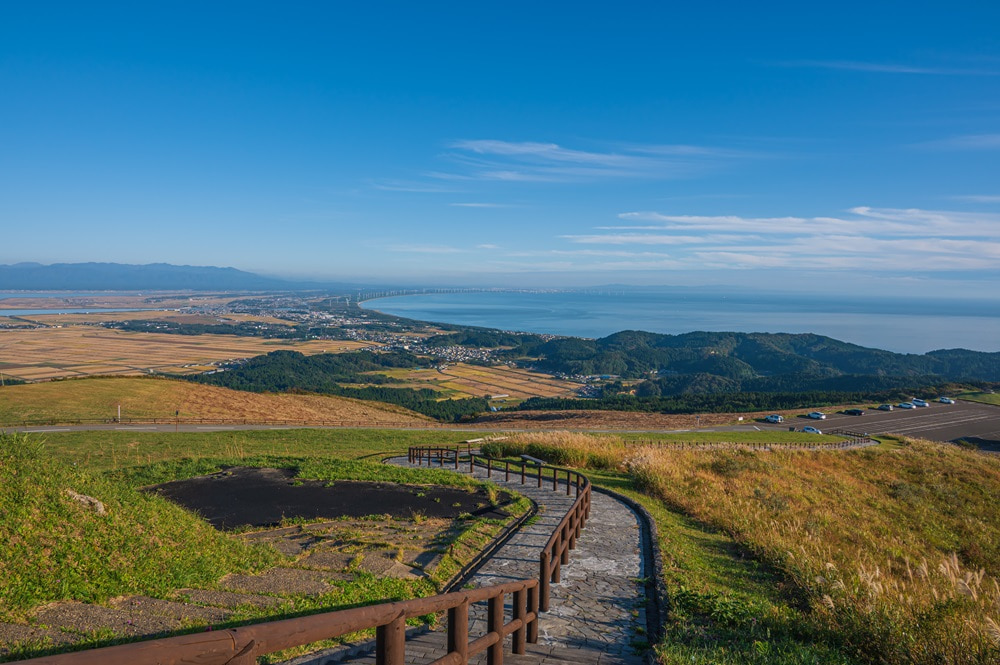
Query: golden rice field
x,y
462,380
143,397
154,315
74,351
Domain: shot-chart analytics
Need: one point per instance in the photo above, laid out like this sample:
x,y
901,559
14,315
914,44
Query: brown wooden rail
x,y
242,646
555,554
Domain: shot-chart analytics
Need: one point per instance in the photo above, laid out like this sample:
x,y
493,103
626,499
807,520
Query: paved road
x,y
938,422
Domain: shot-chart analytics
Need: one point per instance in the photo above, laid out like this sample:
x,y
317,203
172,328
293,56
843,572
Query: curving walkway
x,y
597,607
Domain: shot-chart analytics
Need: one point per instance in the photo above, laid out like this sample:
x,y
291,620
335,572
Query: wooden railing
x,y
242,646
556,551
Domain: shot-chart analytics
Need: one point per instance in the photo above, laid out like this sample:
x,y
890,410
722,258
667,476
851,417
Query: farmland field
x,y
461,380
74,351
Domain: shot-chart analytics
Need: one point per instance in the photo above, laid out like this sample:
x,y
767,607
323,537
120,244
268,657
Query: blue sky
x,y
769,145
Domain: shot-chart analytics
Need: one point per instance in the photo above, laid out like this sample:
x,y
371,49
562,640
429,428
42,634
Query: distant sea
x,y
903,325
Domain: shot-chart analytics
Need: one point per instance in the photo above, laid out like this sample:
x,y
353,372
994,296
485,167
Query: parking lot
x,y
978,423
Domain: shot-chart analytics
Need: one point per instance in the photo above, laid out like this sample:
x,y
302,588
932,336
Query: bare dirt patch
x,y
241,496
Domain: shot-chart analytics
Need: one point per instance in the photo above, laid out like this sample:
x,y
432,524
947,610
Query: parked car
x,y
811,430
906,405
919,402
774,418
854,412
946,400
817,415
885,407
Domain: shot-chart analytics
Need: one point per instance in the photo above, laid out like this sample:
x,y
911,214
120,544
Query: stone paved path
x,y
597,606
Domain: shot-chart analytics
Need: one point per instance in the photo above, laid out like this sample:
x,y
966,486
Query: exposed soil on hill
x,y
241,496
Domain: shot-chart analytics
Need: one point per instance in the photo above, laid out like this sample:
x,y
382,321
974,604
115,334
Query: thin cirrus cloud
x,y
978,198
890,68
875,239
964,142
480,205
507,161
425,249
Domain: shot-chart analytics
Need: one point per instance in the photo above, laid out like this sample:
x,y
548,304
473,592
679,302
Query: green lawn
x,y
116,449
985,398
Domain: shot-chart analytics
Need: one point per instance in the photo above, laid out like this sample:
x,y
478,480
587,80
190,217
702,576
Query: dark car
x,y
854,412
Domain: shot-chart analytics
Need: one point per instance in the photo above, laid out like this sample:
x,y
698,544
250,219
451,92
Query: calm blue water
x,y
68,310
904,326
60,294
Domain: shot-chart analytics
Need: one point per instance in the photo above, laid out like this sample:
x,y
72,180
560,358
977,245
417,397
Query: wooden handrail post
x,y
489,468
567,482
543,582
494,624
555,479
390,642
457,450
533,608
506,471
458,631
523,466
518,644
539,475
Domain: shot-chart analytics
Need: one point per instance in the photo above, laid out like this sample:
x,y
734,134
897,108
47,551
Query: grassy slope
x,y
116,449
162,398
985,398
887,554
55,549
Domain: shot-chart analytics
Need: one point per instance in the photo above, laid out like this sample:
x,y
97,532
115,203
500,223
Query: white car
x,y
919,402
774,418
906,405
946,400
816,415
811,430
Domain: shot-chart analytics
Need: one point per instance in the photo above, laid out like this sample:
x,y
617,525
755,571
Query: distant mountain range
x,y
150,277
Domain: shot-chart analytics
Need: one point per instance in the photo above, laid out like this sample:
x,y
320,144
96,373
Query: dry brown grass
x,y
465,380
75,351
161,398
895,549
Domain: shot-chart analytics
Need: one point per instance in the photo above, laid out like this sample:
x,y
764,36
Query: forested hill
x,y
281,371
745,356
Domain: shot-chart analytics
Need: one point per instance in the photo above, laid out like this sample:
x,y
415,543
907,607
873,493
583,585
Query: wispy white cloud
x,y
494,160
871,239
978,198
649,239
965,142
487,246
425,249
890,68
411,186
863,222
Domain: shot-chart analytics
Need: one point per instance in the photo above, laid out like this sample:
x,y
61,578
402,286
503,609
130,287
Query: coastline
x,y
900,326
